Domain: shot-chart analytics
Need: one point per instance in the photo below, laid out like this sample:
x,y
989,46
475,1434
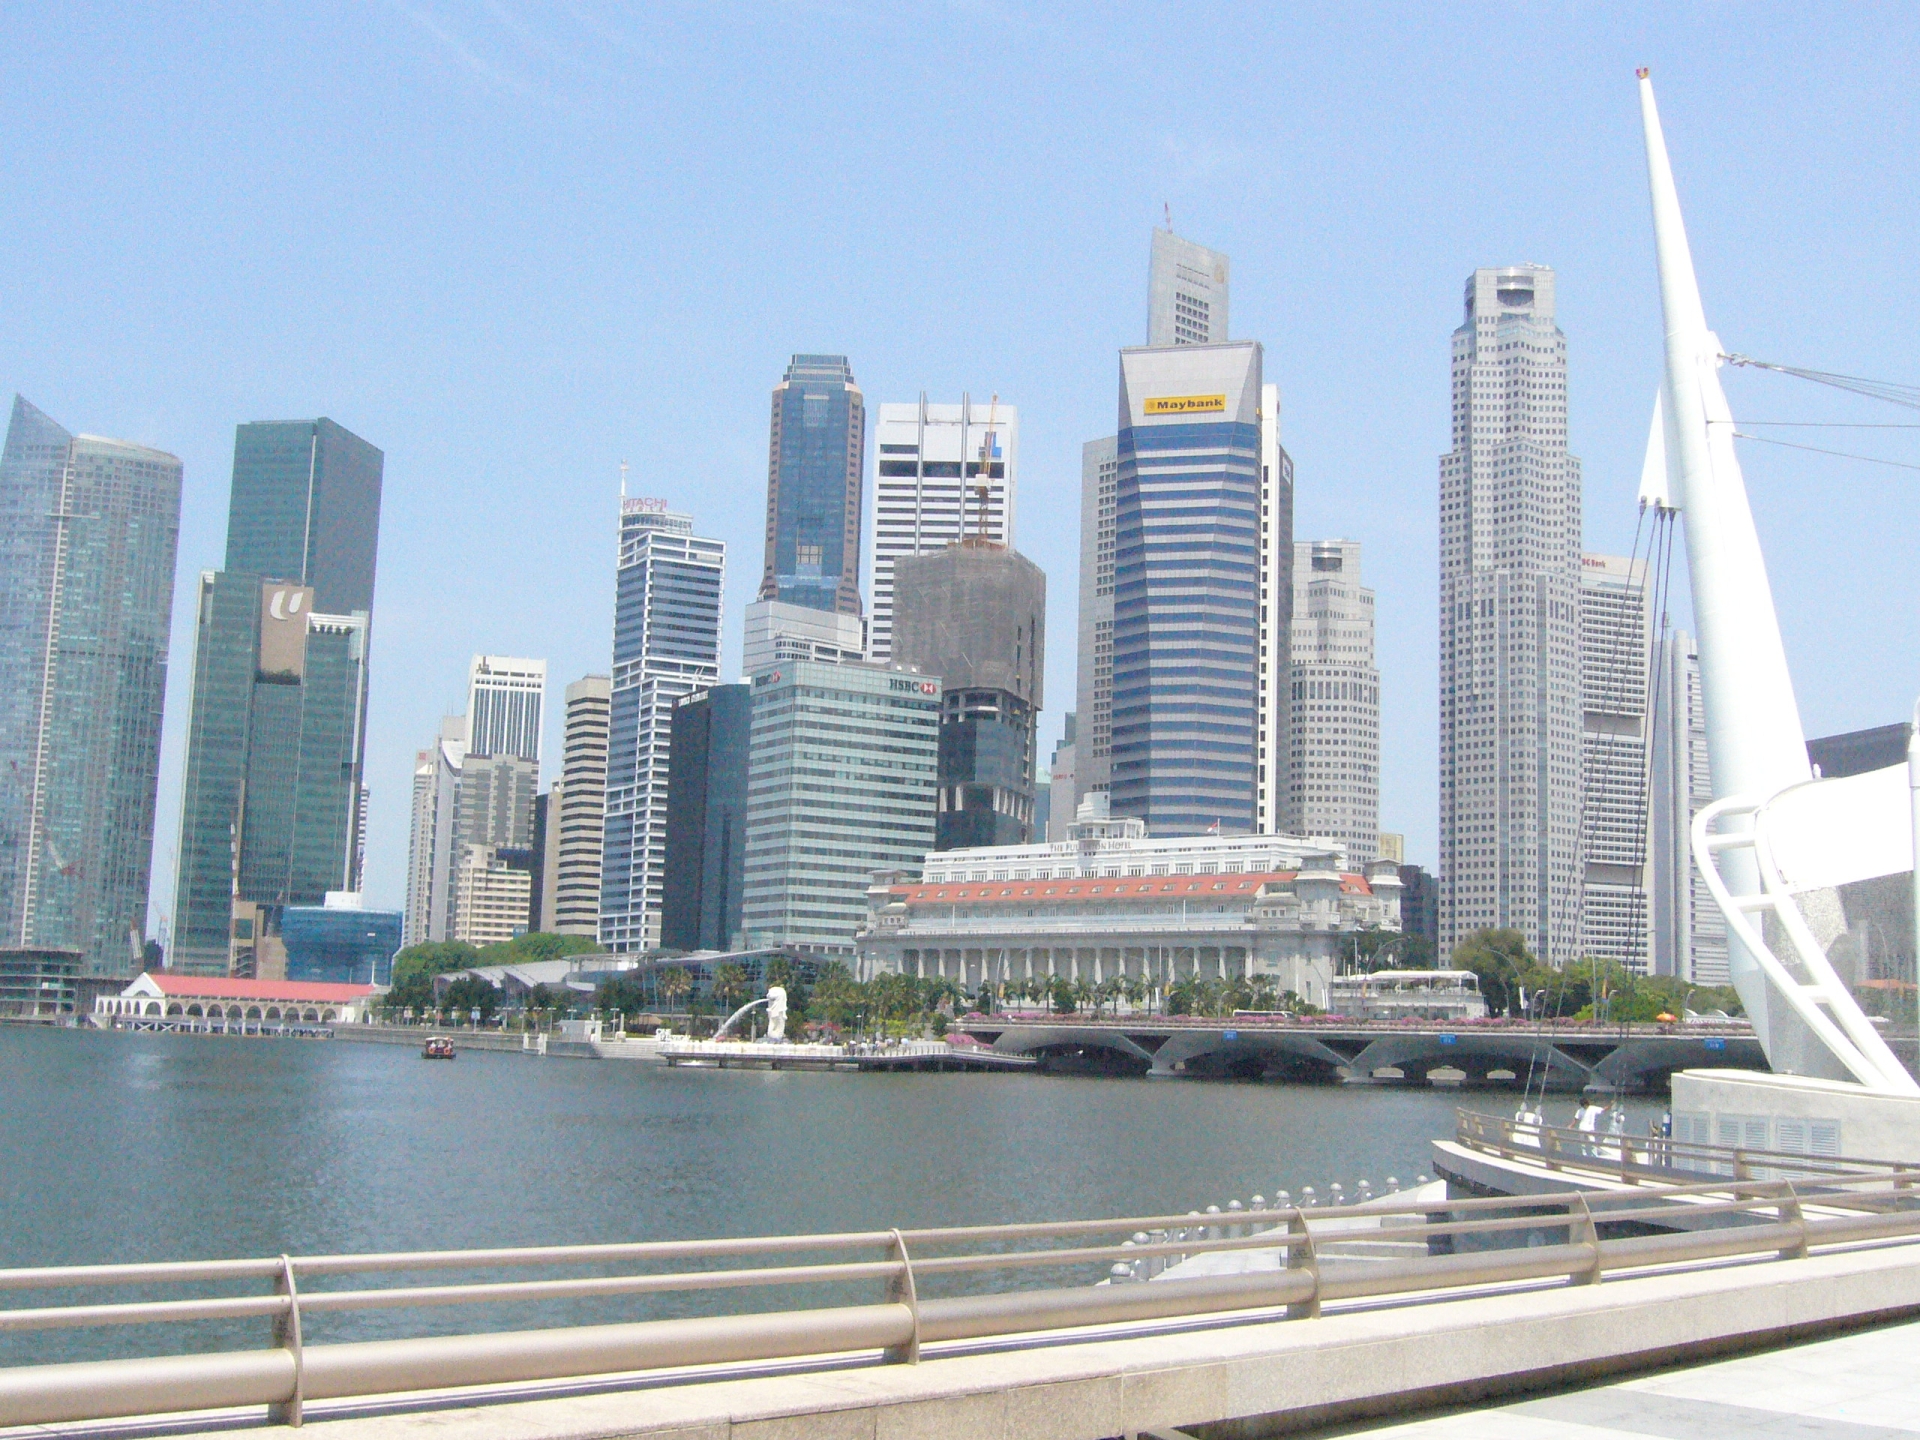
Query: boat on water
x,y
438,1047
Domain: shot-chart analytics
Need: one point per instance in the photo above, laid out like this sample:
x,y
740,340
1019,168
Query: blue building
x,y
1186,596
706,853
339,943
816,467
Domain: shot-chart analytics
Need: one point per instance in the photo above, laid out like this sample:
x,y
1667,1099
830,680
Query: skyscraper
x,y
816,462
705,874
277,742
1689,934
1273,705
1186,293
1093,692
1333,784
505,698
1614,637
666,644
88,533
937,484
1186,607
975,614
840,784
581,820
1509,624
435,835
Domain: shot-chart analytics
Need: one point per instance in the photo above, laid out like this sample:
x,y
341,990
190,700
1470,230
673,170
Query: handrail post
x,y
901,1291
1584,1232
1302,1257
1791,1212
286,1336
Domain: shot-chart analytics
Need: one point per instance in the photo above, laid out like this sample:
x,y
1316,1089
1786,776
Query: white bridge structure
x,y
1787,856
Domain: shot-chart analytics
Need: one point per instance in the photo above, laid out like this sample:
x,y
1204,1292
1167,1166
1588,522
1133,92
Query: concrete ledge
x,y
1224,1383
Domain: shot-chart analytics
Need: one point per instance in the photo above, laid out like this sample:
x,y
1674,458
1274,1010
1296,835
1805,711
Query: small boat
x,y
438,1047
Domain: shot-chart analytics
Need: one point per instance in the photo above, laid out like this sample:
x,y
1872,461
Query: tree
x,y
623,997
1061,994
535,945
674,982
730,983
1499,958
434,957
469,993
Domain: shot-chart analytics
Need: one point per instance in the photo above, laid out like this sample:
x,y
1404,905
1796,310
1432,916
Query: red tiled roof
x,y
221,988
1129,887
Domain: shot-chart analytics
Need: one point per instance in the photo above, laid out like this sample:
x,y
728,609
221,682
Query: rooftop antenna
x,y
985,472
623,479
1168,207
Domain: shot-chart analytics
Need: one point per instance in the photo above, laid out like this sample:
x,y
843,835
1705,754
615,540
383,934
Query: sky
x,y
515,245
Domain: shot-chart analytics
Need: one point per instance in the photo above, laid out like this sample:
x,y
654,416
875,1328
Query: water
x,y
120,1147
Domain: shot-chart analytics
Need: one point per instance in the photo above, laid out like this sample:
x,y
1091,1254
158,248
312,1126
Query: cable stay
x,y
1818,450
1887,390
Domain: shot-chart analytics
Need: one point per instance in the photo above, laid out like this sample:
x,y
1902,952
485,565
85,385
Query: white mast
x,y
1754,737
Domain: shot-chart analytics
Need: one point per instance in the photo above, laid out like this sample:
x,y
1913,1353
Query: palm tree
x,y
730,983
673,983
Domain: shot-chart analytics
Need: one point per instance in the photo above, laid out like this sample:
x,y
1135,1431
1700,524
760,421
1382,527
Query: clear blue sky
x,y
513,245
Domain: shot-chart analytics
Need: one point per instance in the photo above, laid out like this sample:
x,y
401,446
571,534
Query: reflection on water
x,y
118,1147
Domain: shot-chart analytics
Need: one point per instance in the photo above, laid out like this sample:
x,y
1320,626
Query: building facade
x,y
666,644
705,877
842,782
1273,708
1615,914
776,633
580,804
434,834
341,942
493,894
1688,932
89,529
1333,781
1186,292
975,614
1062,781
1093,669
1186,612
945,473
276,745
506,697
1509,625
816,466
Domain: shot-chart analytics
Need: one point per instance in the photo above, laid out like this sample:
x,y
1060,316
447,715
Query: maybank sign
x,y
1183,404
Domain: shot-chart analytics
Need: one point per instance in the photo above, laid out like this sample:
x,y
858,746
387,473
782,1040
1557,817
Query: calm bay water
x,y
120,1147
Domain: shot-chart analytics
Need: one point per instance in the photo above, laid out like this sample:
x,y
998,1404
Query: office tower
x,y
581,801
777,632
495,807
1093,691
1420,903
276,746
505,698
432,845
88,531
1614,640
1062,783
1393,846
1186,293
340,942
707,819
360,838
492,891
975,614
1333,780
1273,705
946,472
1186,609
812,848
816,461
1689,933
666,643
545,851
1509,624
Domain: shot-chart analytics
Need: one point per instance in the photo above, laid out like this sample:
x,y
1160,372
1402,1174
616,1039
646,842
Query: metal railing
x,y
1762,1219
1658,1158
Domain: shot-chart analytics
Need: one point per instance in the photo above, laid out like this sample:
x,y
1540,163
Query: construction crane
x,y
985,473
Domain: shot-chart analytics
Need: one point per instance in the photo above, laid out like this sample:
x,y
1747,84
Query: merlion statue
x,y
776,1012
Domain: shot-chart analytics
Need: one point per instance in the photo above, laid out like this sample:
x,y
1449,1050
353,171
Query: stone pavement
x,y
1863,1386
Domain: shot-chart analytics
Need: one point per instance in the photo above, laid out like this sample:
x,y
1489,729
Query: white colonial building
x,y
217,1002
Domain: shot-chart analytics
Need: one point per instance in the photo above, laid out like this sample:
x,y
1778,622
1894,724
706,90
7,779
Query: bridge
x,y
1565,1056
1245,1324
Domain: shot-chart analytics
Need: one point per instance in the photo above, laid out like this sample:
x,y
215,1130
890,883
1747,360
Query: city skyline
x,y
1286,296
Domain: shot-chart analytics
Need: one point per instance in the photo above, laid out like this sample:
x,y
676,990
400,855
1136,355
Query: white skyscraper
x,y
1273,715
1186,293
432,846
505,696
1509,624
1333,777
666,644
1689,933
946,472
1614,911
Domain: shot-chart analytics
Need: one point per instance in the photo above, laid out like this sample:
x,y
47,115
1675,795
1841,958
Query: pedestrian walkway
x,y
1863,1386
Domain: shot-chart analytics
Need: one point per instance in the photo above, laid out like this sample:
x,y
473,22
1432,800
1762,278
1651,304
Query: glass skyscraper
x,y
88,533
815,468
1186,580
666,644
277,743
